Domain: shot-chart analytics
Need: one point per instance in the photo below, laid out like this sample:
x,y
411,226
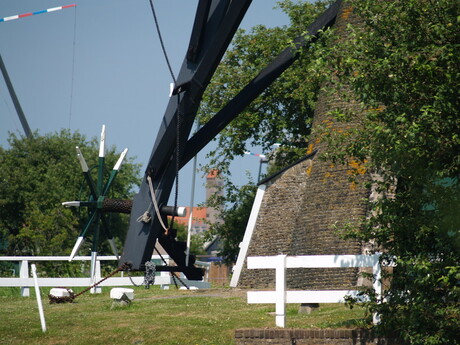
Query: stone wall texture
x,y
304,206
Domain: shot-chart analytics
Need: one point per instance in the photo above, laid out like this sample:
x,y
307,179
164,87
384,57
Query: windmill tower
x,y
304,205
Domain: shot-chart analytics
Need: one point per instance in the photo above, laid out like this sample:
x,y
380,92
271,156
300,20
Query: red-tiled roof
x,y
199,215
213,173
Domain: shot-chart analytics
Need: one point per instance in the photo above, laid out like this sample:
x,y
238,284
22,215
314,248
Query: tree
x,y
37,175
283,113
196,241
402,65
233,222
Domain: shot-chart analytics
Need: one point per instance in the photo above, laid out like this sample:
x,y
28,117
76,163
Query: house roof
x,y
199,214
213,173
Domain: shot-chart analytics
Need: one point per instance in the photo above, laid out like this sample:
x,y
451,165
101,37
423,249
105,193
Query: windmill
x,y
263,159
215,24
6,77
98,204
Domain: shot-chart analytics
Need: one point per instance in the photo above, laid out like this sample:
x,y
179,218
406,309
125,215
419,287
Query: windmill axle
x,y
174,211
117,205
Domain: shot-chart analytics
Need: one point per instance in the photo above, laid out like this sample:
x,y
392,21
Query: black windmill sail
x,y
215,24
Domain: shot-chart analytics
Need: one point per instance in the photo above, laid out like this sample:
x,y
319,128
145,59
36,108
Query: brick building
x,y
203,216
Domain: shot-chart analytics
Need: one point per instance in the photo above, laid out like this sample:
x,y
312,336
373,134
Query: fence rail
x,y
25,281
281,262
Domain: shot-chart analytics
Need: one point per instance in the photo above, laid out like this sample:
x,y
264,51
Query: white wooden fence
x,y
25,281
281,262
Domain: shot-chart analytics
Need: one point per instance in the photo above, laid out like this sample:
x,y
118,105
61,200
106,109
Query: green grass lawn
x,y
155,317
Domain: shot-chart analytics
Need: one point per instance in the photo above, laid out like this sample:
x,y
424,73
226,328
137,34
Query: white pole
x,y
189,236
192,201
280,304
377,285
190,219
244,245
39,298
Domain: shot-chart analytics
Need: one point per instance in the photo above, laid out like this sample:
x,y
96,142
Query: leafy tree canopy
x,y
401,64
233,223
37,175
196,241
283,113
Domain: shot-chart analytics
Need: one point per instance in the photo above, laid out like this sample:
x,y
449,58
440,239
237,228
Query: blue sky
x,y
101,63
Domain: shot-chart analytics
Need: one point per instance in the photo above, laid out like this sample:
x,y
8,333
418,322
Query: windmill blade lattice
x,y
98,203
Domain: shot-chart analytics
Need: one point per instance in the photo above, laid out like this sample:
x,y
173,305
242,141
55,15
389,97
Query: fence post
x,y
377,284
24,274
280,290
97,277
